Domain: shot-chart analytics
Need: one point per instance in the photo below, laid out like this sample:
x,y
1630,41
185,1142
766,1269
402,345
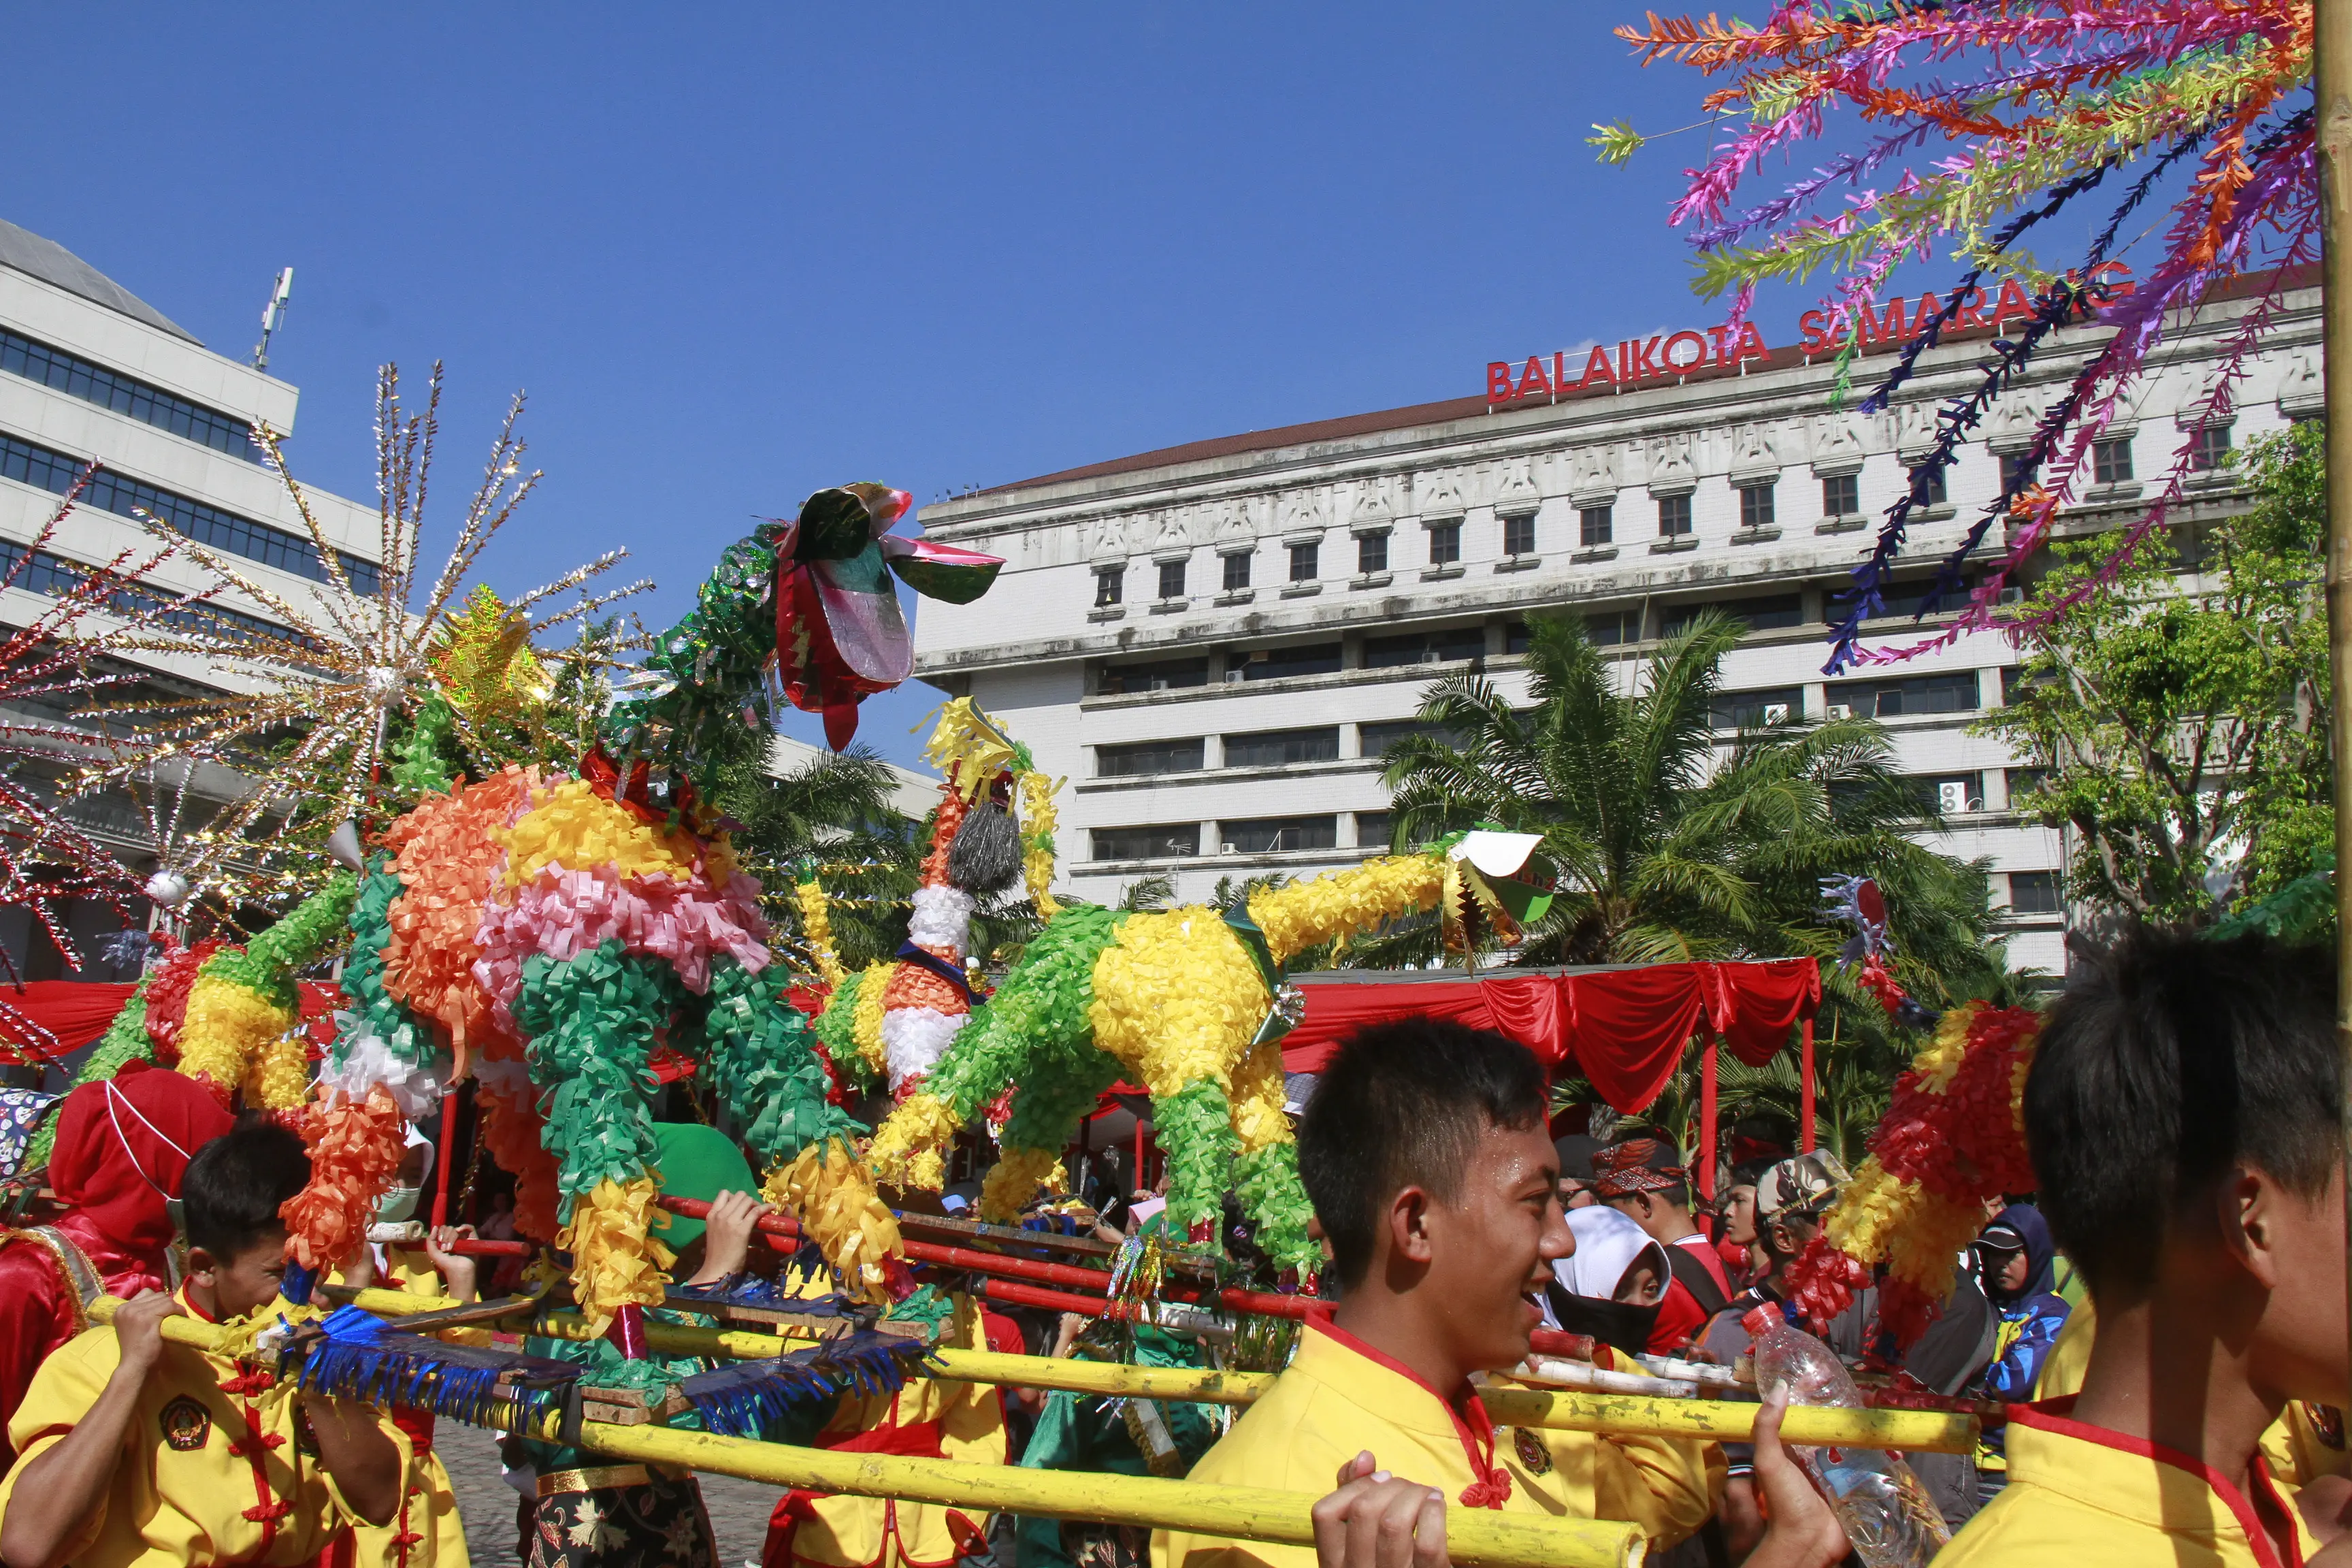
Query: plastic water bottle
x,y
1886,1514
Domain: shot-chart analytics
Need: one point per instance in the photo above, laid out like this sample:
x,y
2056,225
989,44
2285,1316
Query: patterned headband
x,y
1624,1170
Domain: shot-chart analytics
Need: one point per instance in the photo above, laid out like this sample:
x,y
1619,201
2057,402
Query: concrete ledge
x,y
1675,545
1756,536
1518,564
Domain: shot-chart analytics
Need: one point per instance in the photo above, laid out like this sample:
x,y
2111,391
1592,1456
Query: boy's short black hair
x,y
235,1185
2169,1060
1404,1104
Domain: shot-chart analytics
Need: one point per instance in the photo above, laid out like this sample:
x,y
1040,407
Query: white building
x,y
1214,642
87,370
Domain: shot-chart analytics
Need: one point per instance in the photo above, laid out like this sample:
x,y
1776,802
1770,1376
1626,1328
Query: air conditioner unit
x,y
1229,849
2012,595
1776,713
1839,711
1952,797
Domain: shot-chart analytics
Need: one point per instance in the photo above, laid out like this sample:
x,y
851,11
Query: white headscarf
x,y
1607,1244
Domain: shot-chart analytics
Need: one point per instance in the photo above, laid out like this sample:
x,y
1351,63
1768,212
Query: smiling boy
x,y
1426,1154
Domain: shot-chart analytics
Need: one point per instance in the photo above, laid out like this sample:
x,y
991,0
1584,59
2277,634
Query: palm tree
x,y
1667,849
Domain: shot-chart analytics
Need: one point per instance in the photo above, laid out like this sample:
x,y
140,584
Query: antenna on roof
x,y
273,316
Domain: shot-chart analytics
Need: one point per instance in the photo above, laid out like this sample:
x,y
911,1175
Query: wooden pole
x,y
2332,44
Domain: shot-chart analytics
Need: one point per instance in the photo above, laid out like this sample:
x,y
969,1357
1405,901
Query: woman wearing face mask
x,y
1613,1286
120,1149
427,1531
2014,1264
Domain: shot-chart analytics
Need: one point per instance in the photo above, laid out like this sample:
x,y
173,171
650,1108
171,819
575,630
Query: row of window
x,y
61,371
1256,749
2111,462
57,576
207,525
1253,835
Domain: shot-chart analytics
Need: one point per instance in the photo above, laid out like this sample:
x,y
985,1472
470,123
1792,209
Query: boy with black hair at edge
x,y
1426,1154
134,1452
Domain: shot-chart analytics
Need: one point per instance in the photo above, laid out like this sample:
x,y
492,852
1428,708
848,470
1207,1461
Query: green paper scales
x,y
591,1021
1036,1031
717,660
836,1031
761,1064
375,1012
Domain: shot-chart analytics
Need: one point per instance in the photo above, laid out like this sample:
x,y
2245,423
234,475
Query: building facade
x,y
1216,643
89,371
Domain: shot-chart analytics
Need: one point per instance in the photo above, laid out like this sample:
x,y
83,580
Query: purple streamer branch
x,y
1848,168
1982,614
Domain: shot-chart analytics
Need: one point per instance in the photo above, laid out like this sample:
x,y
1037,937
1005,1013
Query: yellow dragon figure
x,y
1187,1003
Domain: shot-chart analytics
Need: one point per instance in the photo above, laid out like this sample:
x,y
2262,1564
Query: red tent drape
x,y
78,1012
1623,1028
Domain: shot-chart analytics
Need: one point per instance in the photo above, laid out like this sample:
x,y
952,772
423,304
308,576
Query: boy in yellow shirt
x,y
137,1453
1435,1184
2181,1114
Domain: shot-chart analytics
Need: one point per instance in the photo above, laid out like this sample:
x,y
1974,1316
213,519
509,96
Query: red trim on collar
x,y
2053,1416
1473,1427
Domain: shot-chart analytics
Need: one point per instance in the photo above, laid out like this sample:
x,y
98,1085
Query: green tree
x,y
2181,720
1668,846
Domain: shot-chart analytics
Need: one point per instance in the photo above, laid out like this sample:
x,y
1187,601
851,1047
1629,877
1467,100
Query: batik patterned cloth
x,y
21,1110
661,1524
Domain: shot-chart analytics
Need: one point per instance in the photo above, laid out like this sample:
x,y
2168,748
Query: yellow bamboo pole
x,y
1479,1537
1722,1421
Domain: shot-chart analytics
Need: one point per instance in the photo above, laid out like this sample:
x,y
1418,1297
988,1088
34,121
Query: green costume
x,y
1089,1434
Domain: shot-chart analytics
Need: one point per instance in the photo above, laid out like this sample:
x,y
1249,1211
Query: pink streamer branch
x,y
562,913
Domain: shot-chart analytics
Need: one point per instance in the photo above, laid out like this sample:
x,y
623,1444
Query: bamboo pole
x,y
1478,1538
2331,47
1723,1421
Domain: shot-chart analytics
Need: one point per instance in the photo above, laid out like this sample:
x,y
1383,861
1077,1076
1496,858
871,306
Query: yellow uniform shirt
x,y
961,1421
2079,1494
218,1466
2304,1443
427,1532
1340,1397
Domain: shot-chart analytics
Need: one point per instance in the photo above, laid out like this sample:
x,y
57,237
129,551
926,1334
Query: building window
x,y
77,377
1147,843
1955,693
1927,487
1237,571
108,491
1372,831
2111,461
1280,748
1371,553
1171,580
1141,759
1899,601
1756,505
1842,495
1379,738
1280,835
1519,535
1754,710
2034,893
1283,663
1161,675
1444,543
1764,615
1595,525
1111,583
1607,628
2014,479
1673,516
1448,646
2212,449
1305,561
2024,781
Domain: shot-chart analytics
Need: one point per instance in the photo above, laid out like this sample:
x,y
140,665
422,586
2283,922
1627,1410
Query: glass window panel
x,y
1141,758
1371,553
1281,835
1283,663
1147,843
1278,748
1161,675
1673,516
1595,525
1444,543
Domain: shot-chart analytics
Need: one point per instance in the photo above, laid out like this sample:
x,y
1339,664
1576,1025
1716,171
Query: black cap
x,y
1576,1151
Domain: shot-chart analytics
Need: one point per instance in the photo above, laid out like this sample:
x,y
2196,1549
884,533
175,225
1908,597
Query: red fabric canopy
x,y
78,1012
1623,1028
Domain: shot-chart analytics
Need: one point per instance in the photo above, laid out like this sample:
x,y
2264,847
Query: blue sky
x,y
736,254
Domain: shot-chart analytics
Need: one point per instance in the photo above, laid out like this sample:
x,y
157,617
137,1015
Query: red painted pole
x,y
1706,1129
1805,1073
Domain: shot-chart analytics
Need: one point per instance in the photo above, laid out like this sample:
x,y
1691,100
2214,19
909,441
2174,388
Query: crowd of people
x,y
2162,1326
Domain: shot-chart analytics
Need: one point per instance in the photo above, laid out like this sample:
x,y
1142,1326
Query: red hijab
x,y
122,1146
